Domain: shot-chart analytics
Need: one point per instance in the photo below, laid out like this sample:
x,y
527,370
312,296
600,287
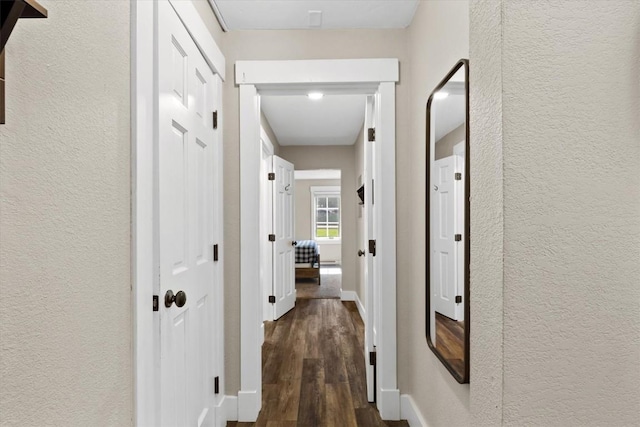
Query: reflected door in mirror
x,y
447,216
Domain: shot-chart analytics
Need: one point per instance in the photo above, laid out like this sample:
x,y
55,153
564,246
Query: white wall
x,y
65,320
328,251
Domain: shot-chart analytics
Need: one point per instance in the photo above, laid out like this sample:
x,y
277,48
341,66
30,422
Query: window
x,y
325,213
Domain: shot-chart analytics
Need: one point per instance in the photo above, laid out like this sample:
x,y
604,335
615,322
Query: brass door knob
x,y
180,298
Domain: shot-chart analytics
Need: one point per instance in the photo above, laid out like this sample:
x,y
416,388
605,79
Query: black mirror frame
x,y
464,378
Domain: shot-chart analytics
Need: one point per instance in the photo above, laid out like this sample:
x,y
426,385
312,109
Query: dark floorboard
x,y
314,369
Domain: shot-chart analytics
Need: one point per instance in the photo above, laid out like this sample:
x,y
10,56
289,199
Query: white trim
x,y
385,193
200,35
348,296
410,412
389,401
229,408
319,190
379,75
219,17
353,296
248,406
267,145
322,71
146,348
143,129
249,397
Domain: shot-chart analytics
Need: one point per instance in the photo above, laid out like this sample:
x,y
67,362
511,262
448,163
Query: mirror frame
x,y
464,378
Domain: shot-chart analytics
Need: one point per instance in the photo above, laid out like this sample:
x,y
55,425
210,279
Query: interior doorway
x,y
375,77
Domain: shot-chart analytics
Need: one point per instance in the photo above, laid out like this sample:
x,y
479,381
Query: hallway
x,y
313,369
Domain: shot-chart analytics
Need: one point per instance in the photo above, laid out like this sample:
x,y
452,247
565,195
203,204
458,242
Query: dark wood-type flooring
x,y
313,369
450,341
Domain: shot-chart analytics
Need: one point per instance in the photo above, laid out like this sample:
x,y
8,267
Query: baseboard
x,y
353,296
389,405
360,308
248,406
410,412
227,410
348,296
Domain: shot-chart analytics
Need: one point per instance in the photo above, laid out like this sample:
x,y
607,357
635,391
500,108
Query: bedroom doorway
x,y
319,233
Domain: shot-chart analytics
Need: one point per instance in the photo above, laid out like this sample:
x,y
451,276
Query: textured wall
x,y
437,38
65,320
486,172
277,45
571,102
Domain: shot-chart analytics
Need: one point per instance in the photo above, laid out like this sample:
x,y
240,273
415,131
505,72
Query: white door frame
x,y
266,219
144,236
335,76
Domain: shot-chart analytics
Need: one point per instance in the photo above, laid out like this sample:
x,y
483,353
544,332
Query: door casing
x,y
347,76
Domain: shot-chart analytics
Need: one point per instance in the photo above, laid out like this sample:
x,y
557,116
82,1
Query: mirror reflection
x,y
447,189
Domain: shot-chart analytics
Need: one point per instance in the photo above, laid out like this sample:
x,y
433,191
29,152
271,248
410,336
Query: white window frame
x,y
324,191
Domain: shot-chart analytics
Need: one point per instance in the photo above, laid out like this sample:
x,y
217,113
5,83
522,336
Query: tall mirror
x,y
448,221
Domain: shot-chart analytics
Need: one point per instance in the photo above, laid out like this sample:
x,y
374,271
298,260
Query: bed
x,y
307,260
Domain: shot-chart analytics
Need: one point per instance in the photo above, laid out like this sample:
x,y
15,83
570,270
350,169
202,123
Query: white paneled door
x,y
284,286
188,183
443,256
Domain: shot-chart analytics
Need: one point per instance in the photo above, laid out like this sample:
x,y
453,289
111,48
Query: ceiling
x,y
314,14
298,120
450,112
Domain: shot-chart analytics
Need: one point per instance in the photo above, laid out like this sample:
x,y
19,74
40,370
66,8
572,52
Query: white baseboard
x,y
227,410
353,296
389,405
348,295
248,406
410,412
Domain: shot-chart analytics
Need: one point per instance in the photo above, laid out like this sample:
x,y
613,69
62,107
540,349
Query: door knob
x,y
180,298
361,252
294,243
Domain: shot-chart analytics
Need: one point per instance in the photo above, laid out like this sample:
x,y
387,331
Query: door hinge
x,y
458,176
215,252
372,358
156,303
216,385
272,237
458,299
271,176
272,299
372,247
371,134
458,237
215,119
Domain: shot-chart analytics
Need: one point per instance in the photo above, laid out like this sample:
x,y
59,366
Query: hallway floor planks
x,y
313,369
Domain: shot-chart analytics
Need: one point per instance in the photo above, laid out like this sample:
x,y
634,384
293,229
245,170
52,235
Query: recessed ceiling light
x,y
315,95
441,95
